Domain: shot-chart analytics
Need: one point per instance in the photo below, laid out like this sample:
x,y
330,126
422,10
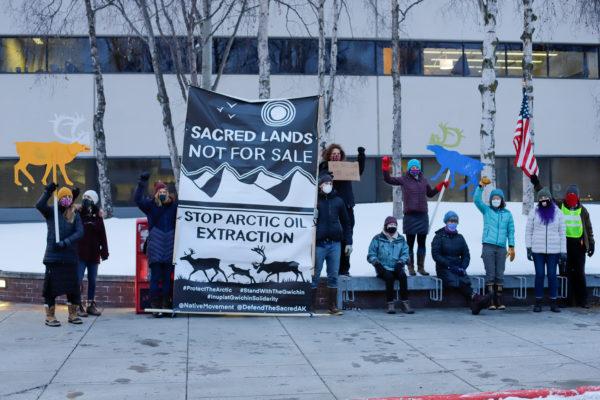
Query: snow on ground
x,y
584,396
26,241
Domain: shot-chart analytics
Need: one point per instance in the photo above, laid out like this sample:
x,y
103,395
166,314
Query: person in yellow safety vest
x,y
580,240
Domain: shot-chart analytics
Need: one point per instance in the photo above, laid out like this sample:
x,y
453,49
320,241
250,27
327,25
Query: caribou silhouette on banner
x,y
456,162
203,264
275,267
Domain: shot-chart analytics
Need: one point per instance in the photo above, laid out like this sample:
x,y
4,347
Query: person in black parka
x,y
161,211
334,152
61,258
451,255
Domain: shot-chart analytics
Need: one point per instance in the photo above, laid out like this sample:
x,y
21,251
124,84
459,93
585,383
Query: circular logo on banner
x,y
278,112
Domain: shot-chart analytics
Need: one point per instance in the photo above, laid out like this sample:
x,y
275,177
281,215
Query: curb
x,y
524,394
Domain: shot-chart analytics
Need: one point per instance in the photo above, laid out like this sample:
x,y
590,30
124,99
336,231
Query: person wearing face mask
x,y
333,226
415,223
388,253
334,152
546,241
93,247
451,255
61,258
161,211
580,241
498,231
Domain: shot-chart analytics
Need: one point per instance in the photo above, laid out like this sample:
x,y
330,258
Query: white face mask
x,y
496,203
327,188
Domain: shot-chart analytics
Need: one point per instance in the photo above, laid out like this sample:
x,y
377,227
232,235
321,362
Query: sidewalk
x,y
362,354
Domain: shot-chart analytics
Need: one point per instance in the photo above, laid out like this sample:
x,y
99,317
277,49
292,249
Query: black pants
x,y
73,298
160,273
344,259
577,292
410,239
389,277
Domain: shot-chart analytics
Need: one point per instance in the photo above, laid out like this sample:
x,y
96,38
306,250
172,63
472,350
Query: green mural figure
x,y
445,139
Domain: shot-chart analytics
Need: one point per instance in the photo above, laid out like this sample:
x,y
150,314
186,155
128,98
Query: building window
x,y
23,55
591,63
410,58
514,60
124,54
356,57
298,56
567,171
566,62
124,173
69,55
243,56
443,59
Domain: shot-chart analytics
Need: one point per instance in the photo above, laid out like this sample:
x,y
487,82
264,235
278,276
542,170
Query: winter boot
x,y
73,317
81,312
405,307
490,291
479,302
167,304
92,309
538,305
411,265
499,303
332,301
50,318
421,264
156,303
313,300
391,308
554,305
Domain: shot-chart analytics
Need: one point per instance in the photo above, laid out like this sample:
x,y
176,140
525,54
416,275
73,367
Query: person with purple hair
x,y
546,241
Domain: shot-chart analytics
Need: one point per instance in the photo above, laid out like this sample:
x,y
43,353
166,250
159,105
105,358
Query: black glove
x,y
535,181
75,192
399,266
144,176
361,150
379,268
51,187
61,244
529,254
458,271
590,251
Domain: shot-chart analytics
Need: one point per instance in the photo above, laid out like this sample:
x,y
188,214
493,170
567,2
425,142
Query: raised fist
x,y
386,163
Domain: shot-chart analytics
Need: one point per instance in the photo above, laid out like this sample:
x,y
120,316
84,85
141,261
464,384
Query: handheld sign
x,y
344,170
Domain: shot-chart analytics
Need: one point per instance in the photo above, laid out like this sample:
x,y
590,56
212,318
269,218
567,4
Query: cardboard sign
x,y
344,170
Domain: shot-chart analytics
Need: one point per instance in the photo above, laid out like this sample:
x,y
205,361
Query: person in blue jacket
x,y
498,231
388,252
161,211
333,227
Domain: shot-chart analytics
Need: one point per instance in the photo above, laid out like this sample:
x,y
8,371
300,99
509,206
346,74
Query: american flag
x,y
522,141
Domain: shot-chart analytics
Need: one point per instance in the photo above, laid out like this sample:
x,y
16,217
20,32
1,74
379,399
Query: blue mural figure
x,y
456,162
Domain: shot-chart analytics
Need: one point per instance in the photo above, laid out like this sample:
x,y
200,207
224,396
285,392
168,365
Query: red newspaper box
x,y
142,281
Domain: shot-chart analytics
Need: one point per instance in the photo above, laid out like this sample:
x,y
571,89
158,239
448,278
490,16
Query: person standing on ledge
x,y
334,152
415,223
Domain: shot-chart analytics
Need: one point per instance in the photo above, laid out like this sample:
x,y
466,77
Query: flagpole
x,y
438,201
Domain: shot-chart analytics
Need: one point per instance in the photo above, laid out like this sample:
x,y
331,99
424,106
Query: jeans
x,y
542,263
494,260
92,273
330,252
160,272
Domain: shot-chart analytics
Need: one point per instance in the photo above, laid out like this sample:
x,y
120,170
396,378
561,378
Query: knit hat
x,y
545,192
92,195
497,192
390,221
414,163
573,189
159,185
324,178
450,215
64,192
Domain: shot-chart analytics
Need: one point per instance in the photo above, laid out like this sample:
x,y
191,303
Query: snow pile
x,y
584,396
26,242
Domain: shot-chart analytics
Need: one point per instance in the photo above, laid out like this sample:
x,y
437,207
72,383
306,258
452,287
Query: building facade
x,y
48,94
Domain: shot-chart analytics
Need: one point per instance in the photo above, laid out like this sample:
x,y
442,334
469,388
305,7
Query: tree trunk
x,y
487,88
223,63
264,63
332,69
323,139
189,19
397,109
527,39
207,45
99,137
162,96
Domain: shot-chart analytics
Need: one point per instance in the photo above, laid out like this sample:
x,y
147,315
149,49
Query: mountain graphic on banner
x,y
258,186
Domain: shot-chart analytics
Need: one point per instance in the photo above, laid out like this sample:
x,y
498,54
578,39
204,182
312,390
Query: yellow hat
x,y
64,192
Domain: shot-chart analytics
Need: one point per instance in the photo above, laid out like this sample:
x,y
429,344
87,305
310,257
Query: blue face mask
x,y
451,226
415,172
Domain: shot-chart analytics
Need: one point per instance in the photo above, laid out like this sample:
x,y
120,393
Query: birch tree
x,y
99,136
326,91
264,63
527,39
398,17
487,88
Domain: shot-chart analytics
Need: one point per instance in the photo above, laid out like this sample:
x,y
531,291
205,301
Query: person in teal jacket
x,y
498,229
388,253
